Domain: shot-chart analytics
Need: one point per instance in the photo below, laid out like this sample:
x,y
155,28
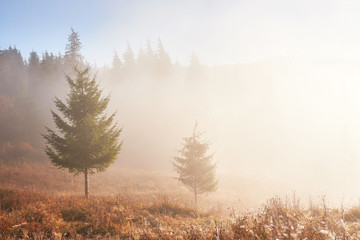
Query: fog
x,y
275,91
291,124
229,32
276,127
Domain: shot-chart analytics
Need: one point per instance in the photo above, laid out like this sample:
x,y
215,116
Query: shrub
x,y
172,209
75,214
9,200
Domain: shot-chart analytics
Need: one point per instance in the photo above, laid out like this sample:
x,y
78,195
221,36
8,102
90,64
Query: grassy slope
x,y
26,214
44,202
139,216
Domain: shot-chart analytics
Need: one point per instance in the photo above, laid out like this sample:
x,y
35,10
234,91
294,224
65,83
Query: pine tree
x,y
149,56
88,139
116,62
129,59
116,67
194,66
163,61
149,52
146,60
34,72
33,68
33,61
48,64
194,165
72,51
195,75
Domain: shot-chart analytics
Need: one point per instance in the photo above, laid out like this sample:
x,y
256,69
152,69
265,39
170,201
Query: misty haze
x,y
179,120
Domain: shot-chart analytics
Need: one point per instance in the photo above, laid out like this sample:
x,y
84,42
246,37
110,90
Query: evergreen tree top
x,y
73,47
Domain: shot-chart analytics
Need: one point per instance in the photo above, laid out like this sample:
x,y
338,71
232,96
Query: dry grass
x,y
279,219
38,201
38,216
31,215
44,178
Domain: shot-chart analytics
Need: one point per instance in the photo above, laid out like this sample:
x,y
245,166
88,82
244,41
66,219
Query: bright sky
x,y
219,32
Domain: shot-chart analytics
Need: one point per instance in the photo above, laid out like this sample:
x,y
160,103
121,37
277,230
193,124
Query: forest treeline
x,y
157,98
28,85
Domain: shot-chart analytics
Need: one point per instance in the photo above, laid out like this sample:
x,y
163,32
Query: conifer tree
x,y
150,56
149,51
194,165
129,59
34,71
72,51
194,65
195,75
116,62
48,64
146,60
163,61
33,61
88,139
116,67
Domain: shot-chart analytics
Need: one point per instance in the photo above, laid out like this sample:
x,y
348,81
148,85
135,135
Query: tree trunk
x,y
86,183
195,194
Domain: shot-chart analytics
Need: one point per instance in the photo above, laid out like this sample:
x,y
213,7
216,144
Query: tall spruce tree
x,y
163,62
129,60
116,68
34,70
33,61
116,62
89,140
194,165
72,51
149,58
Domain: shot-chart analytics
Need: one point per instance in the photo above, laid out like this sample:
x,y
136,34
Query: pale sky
x,y
219,32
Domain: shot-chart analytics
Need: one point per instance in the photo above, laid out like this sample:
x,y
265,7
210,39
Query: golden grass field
x,y
38,201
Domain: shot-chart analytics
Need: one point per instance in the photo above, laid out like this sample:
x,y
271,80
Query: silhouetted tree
x,y
59,59
194,165
163,62
116,62
33,61
149,53
115,71
195,76
149,58
34,71
195,69
129,59
72,50
48,65
141,60
89,140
